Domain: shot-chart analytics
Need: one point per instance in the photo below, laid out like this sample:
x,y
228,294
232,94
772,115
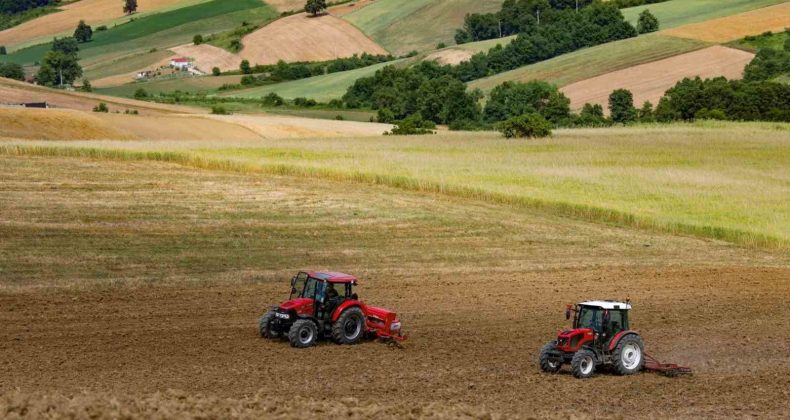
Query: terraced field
x,y
676,13
402,26
590,62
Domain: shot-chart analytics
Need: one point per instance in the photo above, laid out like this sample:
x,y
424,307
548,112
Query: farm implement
x,y
324,305
601,338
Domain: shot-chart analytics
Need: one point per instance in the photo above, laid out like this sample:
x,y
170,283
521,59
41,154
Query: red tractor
x,y
600,337
323,304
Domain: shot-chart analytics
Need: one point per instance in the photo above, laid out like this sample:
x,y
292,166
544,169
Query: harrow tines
x,y
667,369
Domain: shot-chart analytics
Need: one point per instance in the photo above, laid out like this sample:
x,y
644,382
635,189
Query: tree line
x,y
12,7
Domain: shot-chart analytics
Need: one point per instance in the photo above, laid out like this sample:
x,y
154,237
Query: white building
x,y
181,63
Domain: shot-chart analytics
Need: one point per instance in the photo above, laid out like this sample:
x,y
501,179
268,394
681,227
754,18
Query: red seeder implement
x,y
668,369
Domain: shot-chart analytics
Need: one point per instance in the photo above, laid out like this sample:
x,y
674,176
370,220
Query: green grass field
x,y
725,181
161,30
676,13
591,62
775,41
206,84
321,88
402,26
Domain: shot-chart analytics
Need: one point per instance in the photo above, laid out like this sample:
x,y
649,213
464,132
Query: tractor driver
x,y
331,293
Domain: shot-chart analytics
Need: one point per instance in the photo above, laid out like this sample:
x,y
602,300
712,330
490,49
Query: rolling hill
x,y
402,26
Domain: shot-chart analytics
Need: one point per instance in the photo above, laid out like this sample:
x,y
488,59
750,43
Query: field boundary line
x,y
571,210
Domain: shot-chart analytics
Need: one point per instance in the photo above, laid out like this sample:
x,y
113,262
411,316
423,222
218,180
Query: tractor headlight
x,y
282,316
395,326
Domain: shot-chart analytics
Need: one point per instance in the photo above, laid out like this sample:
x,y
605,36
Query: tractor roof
x,y
606,304
333,277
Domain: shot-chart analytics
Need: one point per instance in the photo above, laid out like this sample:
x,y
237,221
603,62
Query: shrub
x,y
86,86
531,125
12,71
304,102
101,107
245,67
411,126
647,22
197,39
216,71
441,45
140,93
3,51
101,28
273,99
219,110
339,117
710,114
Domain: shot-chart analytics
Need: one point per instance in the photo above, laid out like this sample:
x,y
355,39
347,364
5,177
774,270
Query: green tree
x,y
591,115
83,33
197,39
512,99
140,93
129,6
245,67
3,51
67,45
12,71
315,7
645,114
621,106
58,69
101,107
216,71
647,22
531,125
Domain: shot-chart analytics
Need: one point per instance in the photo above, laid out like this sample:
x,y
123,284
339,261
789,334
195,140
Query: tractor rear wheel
x,y
303,333
349,327
583,364
550,358
265,326
628,355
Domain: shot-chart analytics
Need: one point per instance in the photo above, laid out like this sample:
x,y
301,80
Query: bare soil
x,y
306,38
453,56
649,82
479,288
755,22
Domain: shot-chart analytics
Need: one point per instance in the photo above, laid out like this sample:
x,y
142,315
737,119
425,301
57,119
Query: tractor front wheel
x,y
583,364
303,333
628,356
265,326
550,358
349,327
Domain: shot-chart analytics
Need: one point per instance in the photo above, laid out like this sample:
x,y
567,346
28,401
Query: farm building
x,y
181,63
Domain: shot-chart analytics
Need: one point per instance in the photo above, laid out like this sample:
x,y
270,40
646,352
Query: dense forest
x,y
11,7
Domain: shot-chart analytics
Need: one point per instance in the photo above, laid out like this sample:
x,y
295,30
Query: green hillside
x,y
161,30
207,85
682,12
320,88
402,26
591,62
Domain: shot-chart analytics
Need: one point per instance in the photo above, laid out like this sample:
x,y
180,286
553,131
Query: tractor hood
x,y
298,305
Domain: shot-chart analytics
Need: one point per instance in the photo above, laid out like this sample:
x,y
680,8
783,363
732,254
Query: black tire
x,y
550,358
349,327
628,356
265,326
303,333
583,364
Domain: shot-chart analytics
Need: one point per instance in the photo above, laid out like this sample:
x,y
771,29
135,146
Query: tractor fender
x,y
345,305
311,318
619,336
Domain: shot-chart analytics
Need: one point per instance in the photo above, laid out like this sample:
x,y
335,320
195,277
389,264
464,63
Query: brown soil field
x,y
649,82
132,289
755,22
208,56
450,56
93,12
304,38
12,91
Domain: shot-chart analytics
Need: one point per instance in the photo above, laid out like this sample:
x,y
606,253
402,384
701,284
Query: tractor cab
x,y
606,318
319,293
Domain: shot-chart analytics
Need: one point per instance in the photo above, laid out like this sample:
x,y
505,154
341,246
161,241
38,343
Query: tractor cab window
x,y
590,317
298,285
310,287
616,322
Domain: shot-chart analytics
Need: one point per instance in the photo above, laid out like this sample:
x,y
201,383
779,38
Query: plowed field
x,y
306,38
649,82
755,22
133,289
